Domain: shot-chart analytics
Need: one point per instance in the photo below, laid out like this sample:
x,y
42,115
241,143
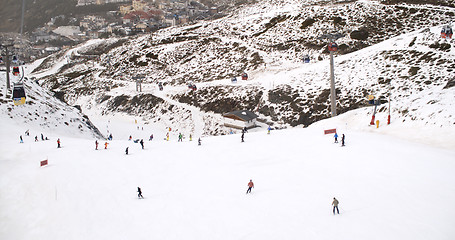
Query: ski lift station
x,y
240,119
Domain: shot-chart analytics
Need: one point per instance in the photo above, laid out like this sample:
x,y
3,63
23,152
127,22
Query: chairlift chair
x,y
16,71
333,47
443,32
306,59
446,32
15,60
449,32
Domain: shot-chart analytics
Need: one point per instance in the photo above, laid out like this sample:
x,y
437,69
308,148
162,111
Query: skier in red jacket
x,y
250,185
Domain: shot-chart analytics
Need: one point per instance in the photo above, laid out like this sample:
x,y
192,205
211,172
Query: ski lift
x,y
18,94
244,76
234,80
306,58
449,32
16,71
333,47
192,86
446,32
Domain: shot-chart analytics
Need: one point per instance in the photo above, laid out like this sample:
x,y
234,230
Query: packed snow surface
x,y
388,188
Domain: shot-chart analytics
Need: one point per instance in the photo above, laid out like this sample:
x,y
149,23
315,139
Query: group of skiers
x,y
27,133
342,139
96,145
250,185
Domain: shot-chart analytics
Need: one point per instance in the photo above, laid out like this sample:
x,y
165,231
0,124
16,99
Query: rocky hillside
x,y
267,40
42,111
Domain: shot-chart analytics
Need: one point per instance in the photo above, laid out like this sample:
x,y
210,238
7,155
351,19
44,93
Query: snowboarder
x,y
151,137
180,137
126,150
335,206
243,136
110,137
199,142
342,140
105,145
96,144
58,143
22,141
336,137
139,195
250,185
142,143
36,138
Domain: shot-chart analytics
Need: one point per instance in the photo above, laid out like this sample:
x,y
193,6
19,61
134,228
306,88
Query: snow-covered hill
x,y
393,182
268,40
43,113
388,188
402,57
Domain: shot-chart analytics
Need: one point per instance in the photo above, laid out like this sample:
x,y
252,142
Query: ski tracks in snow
x,y
196,114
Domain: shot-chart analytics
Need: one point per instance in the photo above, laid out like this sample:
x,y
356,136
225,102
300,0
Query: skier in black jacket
x,y
139,195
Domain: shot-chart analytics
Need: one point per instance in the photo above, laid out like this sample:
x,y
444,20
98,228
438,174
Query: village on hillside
x,y
131,18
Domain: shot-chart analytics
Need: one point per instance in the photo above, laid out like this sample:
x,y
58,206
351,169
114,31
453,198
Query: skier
x,y
42,137
126,150
336,137
167,136
335,206
199,142
105,145
22,141
268,130
96,144
180,137
243,135
250,185
342,140
129,139
36,138
139,195
191,137
151,137
110,137
58,143
27,133
142,143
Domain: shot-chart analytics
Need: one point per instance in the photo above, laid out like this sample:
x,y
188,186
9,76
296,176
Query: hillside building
x,y
240,119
